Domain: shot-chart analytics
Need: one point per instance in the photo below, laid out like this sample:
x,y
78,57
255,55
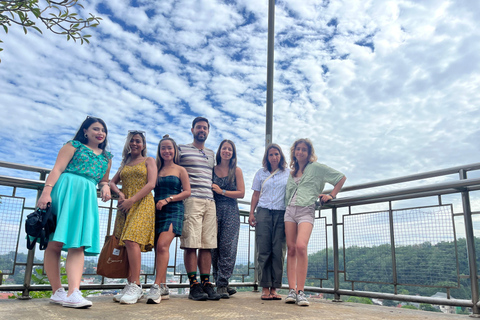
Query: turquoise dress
x,y
74,200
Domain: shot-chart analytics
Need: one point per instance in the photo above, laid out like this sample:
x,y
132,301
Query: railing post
x,y
336,257
255,262
27,279
392,248
470,238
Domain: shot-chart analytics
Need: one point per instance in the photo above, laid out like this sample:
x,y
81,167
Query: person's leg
x,y
190,259
279,248
228,234
263,242
303,236
163,255
51,264
204,260
74,267
134,260
291,236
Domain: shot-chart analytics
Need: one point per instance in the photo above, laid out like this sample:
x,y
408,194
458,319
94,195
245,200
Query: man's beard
x,y
200,139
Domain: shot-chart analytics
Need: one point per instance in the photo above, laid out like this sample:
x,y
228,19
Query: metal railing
x,y
381,219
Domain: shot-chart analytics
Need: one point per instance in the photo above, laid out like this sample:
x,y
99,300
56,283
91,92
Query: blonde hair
x,y
312,157
126,154
176,156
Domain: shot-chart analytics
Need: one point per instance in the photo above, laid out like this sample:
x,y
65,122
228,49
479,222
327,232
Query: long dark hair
x,y
266,164
176,156
232,166
80,135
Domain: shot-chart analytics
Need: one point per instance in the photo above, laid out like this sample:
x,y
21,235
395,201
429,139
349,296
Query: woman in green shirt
x,y
304,186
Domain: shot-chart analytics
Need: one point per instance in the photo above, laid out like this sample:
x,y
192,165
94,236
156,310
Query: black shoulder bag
x,y
39,225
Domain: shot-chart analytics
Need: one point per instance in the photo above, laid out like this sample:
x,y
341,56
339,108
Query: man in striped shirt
x,y
200,221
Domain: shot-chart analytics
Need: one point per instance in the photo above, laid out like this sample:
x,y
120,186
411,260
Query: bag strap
x,y
31,243
264,181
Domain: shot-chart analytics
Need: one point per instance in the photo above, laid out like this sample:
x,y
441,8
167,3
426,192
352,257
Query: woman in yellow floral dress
x,y
135,222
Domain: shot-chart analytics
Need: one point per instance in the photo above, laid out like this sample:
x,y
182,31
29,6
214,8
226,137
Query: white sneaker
x,y
133,294
164,291
154,294
119,296
302,299
76,300
59,296
292,296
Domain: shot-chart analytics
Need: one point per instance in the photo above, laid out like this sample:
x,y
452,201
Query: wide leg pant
x,y
271,246
225,255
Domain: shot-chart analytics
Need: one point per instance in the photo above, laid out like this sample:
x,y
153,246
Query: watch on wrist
x,y
171,199
224,191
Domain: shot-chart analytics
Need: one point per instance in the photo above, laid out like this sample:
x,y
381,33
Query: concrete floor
x,y
243,305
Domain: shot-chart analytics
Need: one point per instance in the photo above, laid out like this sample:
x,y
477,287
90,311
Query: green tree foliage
x,y
429,307
363,300
58,16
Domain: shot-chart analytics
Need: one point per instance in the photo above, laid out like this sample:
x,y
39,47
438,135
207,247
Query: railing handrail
x,y
24,167
413,192
412,177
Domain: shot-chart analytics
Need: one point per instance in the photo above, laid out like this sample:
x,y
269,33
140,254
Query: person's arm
x,y
253,205
239,193
115,189
63,158
186,190
147,188
335,191
104,187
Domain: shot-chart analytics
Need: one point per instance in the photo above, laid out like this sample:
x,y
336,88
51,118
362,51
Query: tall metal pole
x,y
270,65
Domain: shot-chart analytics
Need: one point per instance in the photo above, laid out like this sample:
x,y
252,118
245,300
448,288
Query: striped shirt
x,y
199,165
273,193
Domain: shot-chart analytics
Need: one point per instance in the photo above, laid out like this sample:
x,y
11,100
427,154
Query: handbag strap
x,y
271,175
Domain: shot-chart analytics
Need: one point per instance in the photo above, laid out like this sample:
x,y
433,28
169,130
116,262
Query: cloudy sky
x,y
382,88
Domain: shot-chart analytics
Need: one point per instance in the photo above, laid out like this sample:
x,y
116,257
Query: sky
x,y
383,88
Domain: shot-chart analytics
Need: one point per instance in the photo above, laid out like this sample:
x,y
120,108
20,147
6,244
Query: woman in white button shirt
x,y
269,199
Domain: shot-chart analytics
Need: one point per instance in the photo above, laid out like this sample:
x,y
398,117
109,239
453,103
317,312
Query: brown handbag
x,y
113,260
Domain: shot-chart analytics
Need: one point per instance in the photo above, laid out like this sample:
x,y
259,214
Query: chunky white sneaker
x,y
154,294
164,291
76,300
59,296
133,294
301,299
119,295
292,296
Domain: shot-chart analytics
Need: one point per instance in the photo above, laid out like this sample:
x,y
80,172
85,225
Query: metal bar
x,y
270,68
412,177
23,167
336,264
27,279
392,248
437,188
470,238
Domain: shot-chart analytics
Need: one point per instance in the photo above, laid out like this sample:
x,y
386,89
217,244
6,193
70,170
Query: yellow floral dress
x,y
138,225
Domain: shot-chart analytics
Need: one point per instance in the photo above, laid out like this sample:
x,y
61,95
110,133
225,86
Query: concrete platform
x,y
243,305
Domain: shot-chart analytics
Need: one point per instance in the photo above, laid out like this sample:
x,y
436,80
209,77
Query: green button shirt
x,y
311,184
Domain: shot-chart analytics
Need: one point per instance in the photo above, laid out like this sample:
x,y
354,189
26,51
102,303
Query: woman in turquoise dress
x,y
173,186
81,164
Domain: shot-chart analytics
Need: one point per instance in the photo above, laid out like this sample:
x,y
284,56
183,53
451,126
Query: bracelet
x,y
331,196
166,200
48,185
